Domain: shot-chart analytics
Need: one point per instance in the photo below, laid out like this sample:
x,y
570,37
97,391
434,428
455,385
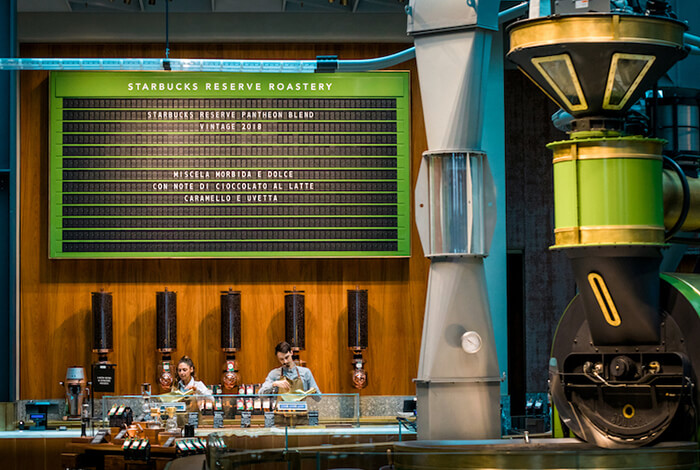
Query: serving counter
x,y
343,419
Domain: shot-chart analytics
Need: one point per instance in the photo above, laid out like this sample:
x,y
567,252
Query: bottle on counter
x,y
155,422
171,423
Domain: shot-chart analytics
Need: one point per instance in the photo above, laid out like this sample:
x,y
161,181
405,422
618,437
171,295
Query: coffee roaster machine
x,y
625,359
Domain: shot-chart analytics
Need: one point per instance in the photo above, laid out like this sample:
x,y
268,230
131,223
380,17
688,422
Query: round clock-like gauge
x,y
471,342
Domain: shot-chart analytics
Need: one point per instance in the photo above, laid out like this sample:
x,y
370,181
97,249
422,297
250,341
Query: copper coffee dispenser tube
x,y
230,321
294,331
166,335
230,338
357,319
166,321
358,334
102,324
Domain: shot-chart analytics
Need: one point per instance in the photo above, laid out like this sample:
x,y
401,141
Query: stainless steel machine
x,y
76,392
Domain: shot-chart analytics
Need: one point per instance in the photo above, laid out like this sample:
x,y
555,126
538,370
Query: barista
x,y
185,373
290,377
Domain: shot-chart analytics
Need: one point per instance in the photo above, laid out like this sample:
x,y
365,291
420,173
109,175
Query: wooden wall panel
x,y
32,453
56,300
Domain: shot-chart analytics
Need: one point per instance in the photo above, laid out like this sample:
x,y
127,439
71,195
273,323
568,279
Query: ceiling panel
x,y
212,6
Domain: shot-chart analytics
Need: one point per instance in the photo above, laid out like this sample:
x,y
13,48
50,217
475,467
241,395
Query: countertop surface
x,y
305,431
229,431
28,434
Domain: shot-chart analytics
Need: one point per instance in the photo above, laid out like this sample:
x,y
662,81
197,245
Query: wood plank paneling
x,y
8,454
55,294
32,453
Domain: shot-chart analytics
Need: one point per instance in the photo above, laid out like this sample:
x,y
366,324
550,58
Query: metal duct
x,y
455,215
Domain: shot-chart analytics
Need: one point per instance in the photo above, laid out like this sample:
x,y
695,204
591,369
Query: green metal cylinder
x,y
608,191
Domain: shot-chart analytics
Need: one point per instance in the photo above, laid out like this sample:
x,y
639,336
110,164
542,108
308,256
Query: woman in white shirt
x,y
185,373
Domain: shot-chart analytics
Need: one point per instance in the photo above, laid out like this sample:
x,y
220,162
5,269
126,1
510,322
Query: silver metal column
x,y
458,383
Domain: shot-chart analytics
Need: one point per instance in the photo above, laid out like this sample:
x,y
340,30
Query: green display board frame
x,y
227,165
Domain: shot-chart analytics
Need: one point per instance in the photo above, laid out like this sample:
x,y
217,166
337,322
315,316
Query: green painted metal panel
x,y
565,194
620,191
687,284
611,191
216,165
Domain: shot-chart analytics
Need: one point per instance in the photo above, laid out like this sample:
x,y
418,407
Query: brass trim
x,y
537,84
609,234
638,156
538,61
611,78
597,149
596,28
605,301
567,236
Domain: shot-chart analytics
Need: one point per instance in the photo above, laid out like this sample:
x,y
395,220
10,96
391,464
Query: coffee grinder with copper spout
x,y
166,335
294,330
357,334
230,338
76,392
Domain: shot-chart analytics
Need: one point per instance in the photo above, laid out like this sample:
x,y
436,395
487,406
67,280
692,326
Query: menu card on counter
x,y
218,419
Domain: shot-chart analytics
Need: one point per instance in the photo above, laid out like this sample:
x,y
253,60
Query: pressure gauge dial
x,y
471,342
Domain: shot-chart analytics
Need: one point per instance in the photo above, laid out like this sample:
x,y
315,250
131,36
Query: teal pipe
x,y
215,65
